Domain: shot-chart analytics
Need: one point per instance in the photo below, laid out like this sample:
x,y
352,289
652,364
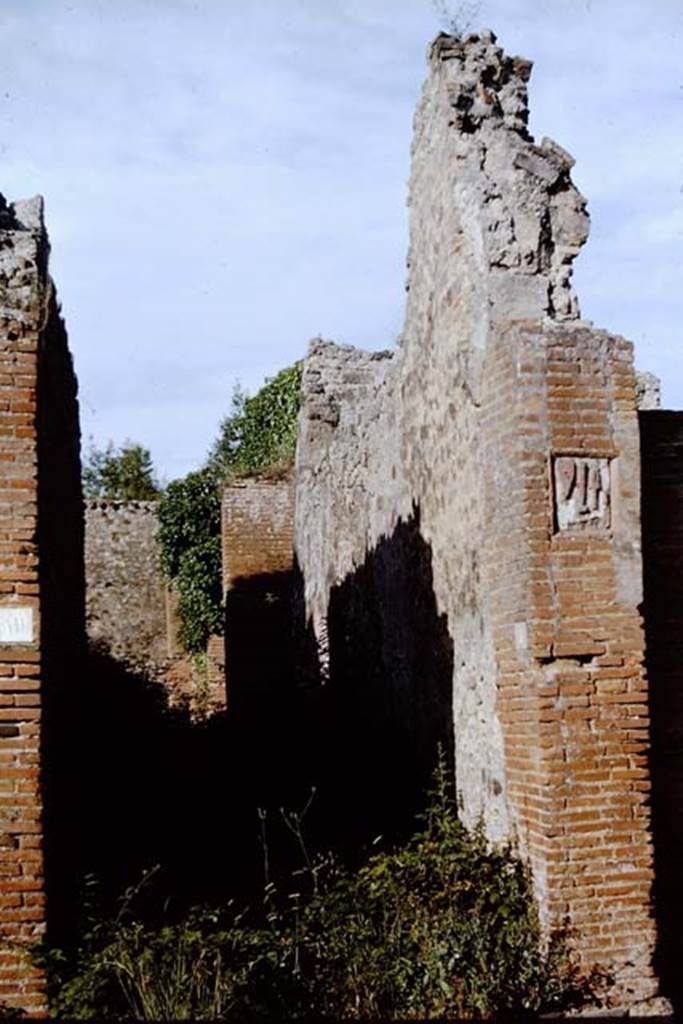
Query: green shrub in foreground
x,y
442,927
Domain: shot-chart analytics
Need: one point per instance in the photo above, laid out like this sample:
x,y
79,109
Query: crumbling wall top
x,y
496,221
22,215
24,250
487,83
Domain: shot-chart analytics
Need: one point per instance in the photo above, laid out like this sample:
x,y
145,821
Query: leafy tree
x,y
120,474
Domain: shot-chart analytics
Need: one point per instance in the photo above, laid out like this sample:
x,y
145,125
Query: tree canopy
x,y
123,473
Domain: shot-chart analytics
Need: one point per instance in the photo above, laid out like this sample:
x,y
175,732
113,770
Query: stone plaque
x,y
581,487
521,636
16,625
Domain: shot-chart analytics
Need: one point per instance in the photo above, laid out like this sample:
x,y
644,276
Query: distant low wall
x,y
131,613
126,592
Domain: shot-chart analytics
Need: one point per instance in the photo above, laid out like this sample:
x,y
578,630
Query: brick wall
x,y
257,538
565,587
662,483
257,529
41,586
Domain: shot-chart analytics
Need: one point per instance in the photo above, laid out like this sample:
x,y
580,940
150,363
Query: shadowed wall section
x,y
662,494
388,696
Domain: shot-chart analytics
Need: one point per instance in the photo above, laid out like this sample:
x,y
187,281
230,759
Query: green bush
x,y
257,437
442,927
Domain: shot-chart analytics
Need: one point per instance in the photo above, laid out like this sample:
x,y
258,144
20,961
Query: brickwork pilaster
x,y
564,570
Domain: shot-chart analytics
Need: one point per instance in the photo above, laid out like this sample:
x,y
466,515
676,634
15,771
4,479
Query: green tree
x,y
125,473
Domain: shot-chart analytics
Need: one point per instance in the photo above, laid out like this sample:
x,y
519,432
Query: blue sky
x,y
225,180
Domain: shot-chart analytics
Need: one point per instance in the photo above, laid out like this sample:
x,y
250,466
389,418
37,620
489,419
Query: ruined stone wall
x,y
648,391
368,593
494,224
41,591
509,427
131,611
126,591
349,436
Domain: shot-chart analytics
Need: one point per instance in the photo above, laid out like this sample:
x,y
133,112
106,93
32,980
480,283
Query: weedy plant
x,y
442,927
457,18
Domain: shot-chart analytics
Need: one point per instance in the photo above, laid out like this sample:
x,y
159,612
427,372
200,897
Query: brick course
x,y
257,528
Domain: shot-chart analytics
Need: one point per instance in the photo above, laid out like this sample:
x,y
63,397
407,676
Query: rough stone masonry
x,y
506,428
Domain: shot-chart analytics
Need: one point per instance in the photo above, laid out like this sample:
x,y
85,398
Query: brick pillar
x,y
563,569
257,529
41,582
258,559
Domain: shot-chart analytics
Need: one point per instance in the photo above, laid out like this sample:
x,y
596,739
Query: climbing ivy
x,y
189,534
257,437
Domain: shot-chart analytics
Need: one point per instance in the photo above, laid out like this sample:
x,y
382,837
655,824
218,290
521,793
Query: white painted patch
x,y
582,491
16,625
521,636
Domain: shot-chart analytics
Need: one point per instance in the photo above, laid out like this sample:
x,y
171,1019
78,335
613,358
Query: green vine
x,y
257,437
